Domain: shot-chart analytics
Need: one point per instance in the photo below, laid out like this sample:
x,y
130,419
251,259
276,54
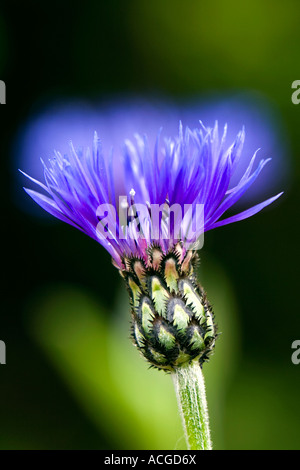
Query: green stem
x,y
190,390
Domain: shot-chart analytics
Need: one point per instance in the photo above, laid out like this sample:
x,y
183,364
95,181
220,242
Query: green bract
x,y
172,321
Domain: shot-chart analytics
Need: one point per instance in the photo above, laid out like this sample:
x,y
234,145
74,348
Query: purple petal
x,y
50,206
245,214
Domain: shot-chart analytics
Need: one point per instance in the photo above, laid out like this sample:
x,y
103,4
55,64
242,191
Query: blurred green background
x,y
72,378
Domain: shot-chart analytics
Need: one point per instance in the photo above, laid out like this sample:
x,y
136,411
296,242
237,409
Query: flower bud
x,y
172,321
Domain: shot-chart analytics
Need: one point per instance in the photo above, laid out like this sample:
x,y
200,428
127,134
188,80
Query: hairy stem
x,y
190,390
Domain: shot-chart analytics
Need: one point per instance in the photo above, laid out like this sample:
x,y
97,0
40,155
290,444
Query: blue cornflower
x,y
144,211
193,169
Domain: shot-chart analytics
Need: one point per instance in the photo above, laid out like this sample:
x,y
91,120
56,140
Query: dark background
x,y
62,50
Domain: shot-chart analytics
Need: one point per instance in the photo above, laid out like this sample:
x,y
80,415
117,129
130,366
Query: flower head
x,y
172,193
149,211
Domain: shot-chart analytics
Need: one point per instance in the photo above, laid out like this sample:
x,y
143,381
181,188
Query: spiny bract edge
x,y
172,321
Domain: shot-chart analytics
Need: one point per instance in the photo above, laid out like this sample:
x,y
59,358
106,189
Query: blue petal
x,y
245,214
